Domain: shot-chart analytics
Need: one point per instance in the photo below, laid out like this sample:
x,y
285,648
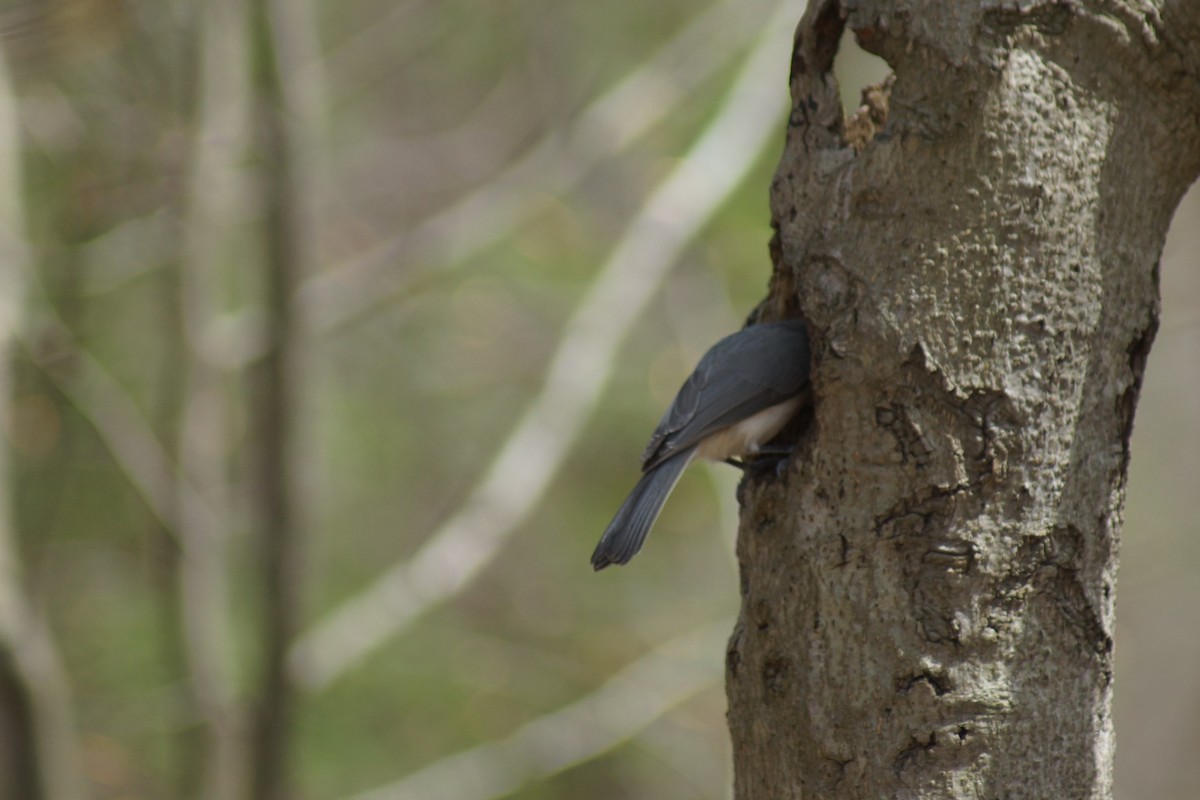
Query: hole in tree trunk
x,y
864,82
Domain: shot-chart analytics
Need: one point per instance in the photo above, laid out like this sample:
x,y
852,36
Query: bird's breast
x,y
748,436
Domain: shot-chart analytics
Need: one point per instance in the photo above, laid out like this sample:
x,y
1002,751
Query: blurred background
x,y
337,331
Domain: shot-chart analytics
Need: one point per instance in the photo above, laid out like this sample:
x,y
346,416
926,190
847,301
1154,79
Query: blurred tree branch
x,y
117,419
530,458
614,713
552,167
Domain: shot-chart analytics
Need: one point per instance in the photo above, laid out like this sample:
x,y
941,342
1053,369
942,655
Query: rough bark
x,y
928,593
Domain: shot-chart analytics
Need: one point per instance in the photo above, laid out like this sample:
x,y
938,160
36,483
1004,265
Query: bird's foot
x,y
769,460
768,457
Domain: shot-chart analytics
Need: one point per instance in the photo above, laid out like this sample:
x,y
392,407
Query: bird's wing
x,y
743,374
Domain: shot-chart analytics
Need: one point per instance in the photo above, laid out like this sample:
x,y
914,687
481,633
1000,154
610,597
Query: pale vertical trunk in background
x,y
928,596
38,751
203,441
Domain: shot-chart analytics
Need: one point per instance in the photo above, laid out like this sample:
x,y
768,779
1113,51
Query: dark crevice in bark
x,y
938,683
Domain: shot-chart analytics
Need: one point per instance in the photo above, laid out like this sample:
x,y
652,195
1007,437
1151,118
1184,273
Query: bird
x,y
742,393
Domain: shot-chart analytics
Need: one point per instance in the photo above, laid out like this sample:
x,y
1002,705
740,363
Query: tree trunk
x,y
39,758
274,711
928,593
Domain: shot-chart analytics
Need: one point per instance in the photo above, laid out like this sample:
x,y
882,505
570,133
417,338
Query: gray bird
x,y
741,394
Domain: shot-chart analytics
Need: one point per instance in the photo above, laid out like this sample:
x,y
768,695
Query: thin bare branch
x,y
183,511
115,415
530,458
553,167
203,526
629,701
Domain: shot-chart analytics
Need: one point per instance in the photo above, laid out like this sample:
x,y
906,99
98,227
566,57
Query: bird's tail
x,y
625,534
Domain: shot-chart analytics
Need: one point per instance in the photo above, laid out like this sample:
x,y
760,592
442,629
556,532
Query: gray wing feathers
x,y
742,374
625,534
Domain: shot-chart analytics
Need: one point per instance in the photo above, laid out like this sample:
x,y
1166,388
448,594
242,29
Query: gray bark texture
x,y
928,592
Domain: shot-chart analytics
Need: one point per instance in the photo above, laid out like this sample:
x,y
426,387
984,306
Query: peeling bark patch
x,y
776,675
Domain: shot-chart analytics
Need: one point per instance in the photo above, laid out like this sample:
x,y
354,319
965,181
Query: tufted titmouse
x,y
741,394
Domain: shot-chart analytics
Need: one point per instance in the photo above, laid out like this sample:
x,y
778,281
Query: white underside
x,y
747,437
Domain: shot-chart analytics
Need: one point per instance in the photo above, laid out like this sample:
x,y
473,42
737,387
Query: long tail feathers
x,y
625,534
